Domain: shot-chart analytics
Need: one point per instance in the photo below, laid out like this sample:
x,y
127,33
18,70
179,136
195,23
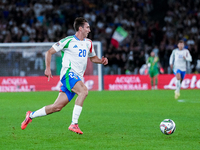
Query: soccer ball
x,y
167,126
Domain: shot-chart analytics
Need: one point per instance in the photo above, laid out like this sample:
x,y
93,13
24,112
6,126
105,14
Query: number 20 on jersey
x,y
82,53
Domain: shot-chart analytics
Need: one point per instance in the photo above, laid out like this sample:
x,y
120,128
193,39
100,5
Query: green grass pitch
x,y
112,120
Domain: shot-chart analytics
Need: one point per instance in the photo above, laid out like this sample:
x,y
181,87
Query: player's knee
x,y
84,92
57,108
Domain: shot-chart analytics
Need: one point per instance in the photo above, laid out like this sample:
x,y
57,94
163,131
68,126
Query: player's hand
x,y
184,57
161,70
104,60
48,74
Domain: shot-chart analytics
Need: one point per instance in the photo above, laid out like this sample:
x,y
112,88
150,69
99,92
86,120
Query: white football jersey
x,y
75,54
177,59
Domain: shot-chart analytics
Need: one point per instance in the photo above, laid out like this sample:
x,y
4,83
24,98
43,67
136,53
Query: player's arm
x,y
188,57
171,59
48,55
96,60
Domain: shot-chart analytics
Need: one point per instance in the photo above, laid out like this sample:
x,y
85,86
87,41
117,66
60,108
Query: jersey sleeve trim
x,y
64,43
67,45
91,45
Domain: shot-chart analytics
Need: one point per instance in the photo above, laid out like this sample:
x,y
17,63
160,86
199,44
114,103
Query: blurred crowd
x,y
52,20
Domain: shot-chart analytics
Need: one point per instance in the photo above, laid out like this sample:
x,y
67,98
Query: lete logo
x,y
186,83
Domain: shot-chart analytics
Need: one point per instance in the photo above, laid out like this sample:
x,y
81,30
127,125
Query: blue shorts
x,y
68,81
182,73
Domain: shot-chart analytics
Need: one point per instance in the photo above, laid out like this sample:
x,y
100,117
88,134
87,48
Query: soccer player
x,y
177,61
153,69
75,51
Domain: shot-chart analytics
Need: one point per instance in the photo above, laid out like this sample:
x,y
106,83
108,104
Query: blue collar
x,y
77,38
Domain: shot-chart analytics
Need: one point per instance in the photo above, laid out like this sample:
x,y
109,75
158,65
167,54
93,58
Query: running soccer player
x,y
75,51
153,70
177,61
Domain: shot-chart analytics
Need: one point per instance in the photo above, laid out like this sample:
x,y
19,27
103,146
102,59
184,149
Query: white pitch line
x,y
188,101
181,100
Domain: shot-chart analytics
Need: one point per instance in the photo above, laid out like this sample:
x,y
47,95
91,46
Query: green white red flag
x,y
119,35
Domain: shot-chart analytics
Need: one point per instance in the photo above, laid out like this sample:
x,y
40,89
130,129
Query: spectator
x,y
38,21
25,37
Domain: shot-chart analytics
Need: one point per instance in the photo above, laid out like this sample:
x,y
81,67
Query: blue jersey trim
x,y
77,38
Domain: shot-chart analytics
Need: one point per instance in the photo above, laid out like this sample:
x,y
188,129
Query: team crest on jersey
x,y
88,46
180,56
75,76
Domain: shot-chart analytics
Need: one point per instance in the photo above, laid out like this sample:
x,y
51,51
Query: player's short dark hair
x,y
180,41
79,22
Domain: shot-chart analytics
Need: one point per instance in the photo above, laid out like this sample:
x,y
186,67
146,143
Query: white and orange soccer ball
x,y
167,126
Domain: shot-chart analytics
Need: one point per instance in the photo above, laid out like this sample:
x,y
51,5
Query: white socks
x,y
39,113
75,116
178,85
76,113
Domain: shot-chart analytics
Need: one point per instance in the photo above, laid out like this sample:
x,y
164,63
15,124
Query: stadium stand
x,y
151,25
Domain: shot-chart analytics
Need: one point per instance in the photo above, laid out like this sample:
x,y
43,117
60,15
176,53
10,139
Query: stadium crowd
x,y
51,20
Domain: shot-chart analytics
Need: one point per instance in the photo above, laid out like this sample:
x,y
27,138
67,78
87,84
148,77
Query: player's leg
x,y
156,81
155,73
152,83
81,90
182,75
60,102
178,84
180,78
151,79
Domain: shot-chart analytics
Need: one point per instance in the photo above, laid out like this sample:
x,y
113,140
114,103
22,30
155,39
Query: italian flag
x,y
119,35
